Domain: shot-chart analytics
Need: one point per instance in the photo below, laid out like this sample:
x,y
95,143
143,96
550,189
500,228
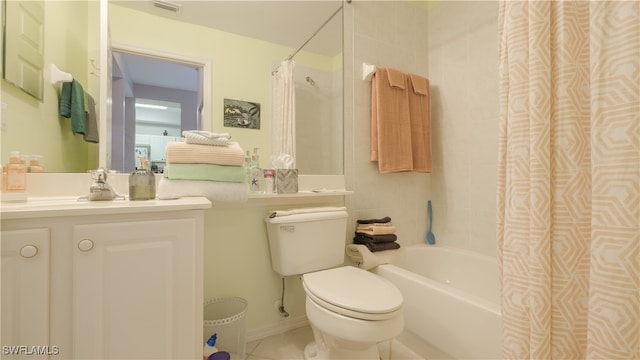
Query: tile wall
x,y
463,69
391,34
455,45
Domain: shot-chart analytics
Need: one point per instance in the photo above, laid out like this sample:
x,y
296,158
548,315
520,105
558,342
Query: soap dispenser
x,y
142,182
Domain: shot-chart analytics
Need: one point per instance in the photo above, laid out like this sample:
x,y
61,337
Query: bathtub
x,y
451,301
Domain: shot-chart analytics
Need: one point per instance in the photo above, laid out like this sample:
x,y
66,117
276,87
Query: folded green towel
x,y
210,172
72,105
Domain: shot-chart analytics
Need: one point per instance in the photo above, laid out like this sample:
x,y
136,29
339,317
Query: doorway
x,y
155,98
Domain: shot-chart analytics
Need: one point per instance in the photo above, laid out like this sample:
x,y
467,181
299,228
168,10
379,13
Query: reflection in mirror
x,y
154,100
33,126
23,61
319,122
240,41
245,40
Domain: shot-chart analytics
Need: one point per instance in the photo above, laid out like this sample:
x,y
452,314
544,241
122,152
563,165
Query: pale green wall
x,y
34,127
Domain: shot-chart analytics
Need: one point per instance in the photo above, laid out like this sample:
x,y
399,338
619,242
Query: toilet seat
x,y
353,292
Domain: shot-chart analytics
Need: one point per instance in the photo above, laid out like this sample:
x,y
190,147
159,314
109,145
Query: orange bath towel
x,y
420,115
390,121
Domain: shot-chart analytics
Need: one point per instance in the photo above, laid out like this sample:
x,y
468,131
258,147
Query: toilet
x,y
350,310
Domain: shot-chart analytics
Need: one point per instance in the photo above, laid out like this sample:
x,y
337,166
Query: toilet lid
x,y
354,290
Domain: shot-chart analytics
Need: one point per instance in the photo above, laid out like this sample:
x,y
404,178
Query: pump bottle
x,y
142,182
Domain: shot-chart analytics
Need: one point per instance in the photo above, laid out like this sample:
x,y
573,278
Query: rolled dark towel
x,y
377,238
373,247
385,219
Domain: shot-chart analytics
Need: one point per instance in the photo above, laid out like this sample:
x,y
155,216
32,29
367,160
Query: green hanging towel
x,y
72,105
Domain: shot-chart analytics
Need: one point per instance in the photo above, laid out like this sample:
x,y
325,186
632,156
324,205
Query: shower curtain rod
x,y
316,33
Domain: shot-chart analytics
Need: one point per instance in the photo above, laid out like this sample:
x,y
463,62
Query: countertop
x,y
52,206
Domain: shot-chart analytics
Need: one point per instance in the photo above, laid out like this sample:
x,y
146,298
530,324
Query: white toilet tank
x,y
308,242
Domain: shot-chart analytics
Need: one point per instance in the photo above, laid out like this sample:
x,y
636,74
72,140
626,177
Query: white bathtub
x,y
451,299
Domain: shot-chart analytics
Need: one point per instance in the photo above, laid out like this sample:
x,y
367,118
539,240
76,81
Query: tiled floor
x,y
290,346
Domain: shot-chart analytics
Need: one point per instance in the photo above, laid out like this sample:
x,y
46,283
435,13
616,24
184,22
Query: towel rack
x,y
59,76
367,71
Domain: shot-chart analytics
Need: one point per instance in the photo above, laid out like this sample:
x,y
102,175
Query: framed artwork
x,y
143,150
241,114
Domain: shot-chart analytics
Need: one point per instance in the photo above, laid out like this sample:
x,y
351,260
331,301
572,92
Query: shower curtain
x,y
569,179
283,111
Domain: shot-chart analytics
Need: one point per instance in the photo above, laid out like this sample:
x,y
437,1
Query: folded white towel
x,y
212,190
365,259
276,213
206,137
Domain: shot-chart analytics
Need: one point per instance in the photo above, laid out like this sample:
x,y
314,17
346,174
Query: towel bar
x,y
367,71
58,76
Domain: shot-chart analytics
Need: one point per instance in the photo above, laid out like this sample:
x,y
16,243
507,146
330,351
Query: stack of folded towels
x,y
376,234
204,164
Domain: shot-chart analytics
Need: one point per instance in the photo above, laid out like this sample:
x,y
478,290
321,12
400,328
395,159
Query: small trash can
x,y
225,316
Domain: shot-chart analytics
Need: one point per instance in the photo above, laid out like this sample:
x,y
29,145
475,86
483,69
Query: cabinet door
x,y
25,292
143,140
24,60
135,291
157,148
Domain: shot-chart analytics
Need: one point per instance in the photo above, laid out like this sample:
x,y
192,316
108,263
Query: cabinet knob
x,y
85,245
28,251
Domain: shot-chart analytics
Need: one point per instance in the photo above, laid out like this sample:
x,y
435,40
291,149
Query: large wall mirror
x,y
241,41
31,124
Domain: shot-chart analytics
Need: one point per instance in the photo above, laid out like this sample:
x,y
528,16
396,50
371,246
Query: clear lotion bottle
x,y
16,174
142,182
256,184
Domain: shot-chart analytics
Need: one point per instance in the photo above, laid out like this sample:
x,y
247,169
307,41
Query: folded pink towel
x,y
183,153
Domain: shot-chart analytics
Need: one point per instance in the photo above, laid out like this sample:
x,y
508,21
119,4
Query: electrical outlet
x,y
4,117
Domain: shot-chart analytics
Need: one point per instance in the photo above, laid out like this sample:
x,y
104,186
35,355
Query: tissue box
x,y
286,181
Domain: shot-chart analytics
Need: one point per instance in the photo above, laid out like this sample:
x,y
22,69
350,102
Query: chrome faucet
x,y
100,190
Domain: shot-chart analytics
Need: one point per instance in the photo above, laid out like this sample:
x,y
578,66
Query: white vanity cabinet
x,y
25,288
123,282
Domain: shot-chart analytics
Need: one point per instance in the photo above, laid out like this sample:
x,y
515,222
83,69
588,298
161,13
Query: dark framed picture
x,y
241,114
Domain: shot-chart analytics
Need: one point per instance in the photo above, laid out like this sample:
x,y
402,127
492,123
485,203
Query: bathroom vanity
x,y
102,279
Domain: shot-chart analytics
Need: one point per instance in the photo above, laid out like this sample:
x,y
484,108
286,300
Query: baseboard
x,y
420,347
277,328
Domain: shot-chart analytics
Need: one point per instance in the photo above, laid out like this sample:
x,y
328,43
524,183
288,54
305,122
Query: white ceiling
x,y
288,23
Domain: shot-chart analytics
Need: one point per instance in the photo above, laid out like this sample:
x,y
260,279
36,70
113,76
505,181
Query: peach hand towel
x,y
376,230
183,153
390,121
419,113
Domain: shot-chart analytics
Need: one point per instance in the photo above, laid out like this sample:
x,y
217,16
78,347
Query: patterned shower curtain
x,y
283,110
569,179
